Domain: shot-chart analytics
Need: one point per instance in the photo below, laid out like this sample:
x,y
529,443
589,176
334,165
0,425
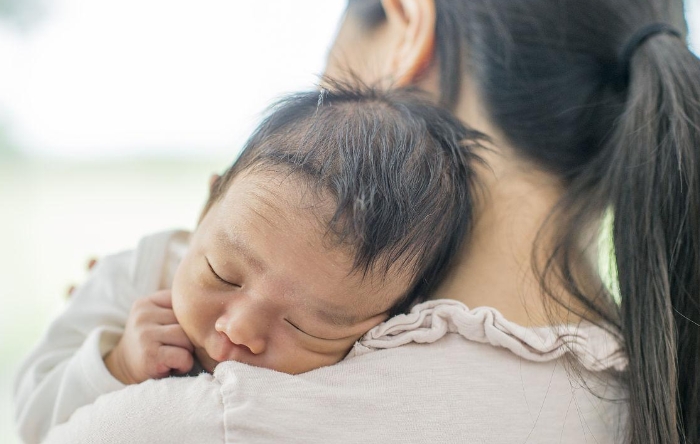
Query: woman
x,y
586,113
589,105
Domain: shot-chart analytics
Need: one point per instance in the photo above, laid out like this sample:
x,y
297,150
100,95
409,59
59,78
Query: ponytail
x,y
653,179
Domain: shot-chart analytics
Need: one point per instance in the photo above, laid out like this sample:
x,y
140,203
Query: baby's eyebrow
x,y
243,249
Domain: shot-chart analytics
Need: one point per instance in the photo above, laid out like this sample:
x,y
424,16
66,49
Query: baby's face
x,y
259,285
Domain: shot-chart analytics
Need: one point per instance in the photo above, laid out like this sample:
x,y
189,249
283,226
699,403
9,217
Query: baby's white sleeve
x,y
66,370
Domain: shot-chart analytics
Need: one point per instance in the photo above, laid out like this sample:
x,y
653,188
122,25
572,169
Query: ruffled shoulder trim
x,y
595,348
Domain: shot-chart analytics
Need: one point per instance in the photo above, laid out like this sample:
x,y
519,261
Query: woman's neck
x,y
494,267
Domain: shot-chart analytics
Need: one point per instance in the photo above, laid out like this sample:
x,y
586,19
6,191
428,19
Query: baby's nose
x,y
244,329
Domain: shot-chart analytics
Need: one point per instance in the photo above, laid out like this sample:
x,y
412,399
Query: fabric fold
x,y
596,348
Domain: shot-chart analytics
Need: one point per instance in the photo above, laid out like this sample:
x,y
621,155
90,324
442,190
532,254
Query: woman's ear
x,y
412,23
213,179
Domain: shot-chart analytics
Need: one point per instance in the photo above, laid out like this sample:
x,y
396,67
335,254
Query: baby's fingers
x,y
174,358
175,335
161,316
162,298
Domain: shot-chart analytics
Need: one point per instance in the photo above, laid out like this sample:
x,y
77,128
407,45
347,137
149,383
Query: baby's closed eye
x,y
219,278
344,338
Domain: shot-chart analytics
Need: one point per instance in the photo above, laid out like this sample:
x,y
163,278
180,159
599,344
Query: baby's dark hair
x,y
398,167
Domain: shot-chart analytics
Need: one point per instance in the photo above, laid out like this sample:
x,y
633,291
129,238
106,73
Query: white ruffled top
x,y
596,348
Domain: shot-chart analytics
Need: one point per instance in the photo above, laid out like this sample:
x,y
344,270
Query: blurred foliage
x,y
22,13
607,265
7,148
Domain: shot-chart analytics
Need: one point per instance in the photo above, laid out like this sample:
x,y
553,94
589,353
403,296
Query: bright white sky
x,y
153,77
98,77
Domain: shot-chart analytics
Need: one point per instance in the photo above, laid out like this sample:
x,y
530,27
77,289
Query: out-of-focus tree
x,y
22,13
7,148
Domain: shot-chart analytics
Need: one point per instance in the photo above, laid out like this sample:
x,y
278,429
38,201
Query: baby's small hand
x,y
153,343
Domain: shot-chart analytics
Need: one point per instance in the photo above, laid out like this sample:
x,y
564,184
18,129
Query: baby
x,y
345,207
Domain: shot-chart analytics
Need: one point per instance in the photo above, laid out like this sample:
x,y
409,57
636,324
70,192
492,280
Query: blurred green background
x,y
104,139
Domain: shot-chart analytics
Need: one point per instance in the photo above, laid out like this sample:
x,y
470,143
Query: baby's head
x,y
345,207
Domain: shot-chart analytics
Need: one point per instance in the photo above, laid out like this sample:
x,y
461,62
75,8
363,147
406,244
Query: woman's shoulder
x,y
156,258
442,372
183,410
449,391
150,265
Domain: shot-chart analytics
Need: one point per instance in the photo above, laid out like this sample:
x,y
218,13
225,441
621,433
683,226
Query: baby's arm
x,y
107,337
66,369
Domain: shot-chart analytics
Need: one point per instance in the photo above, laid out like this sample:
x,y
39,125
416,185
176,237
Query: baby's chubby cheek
x,y
184,303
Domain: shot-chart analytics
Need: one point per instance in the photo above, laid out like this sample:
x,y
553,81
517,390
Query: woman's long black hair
x,y
545,70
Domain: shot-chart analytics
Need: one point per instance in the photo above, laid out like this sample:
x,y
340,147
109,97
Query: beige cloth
x,y
442,373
